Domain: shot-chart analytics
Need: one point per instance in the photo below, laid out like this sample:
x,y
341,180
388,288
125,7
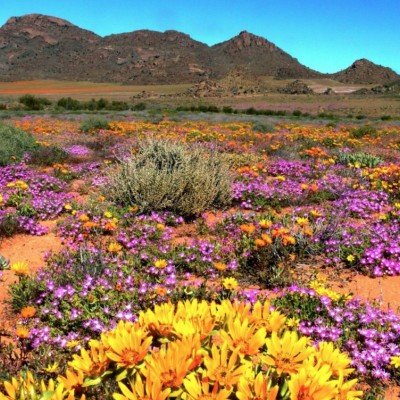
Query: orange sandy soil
x,y
30,249
82,90
385,291
392,394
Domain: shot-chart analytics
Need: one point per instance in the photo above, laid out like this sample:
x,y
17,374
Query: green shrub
x,y
204,108
24,292
33,102
326,115
329,142
14,143
48,155
69,104
171,176
8,225
118,106
299,306
297,113
265,266
214,109
386,118
251,111
263,127
94,124
139,107
90,105
361,159
362,131
227,110
102,104
268,112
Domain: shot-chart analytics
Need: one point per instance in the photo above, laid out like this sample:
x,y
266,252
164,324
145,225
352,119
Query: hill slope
x,y
37,46
365,71
259,56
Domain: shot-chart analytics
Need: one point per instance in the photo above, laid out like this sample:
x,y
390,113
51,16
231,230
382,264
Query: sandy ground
x,y
30,249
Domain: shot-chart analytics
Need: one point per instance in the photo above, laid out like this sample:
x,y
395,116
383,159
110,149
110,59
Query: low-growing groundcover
x,y
26,197
202,293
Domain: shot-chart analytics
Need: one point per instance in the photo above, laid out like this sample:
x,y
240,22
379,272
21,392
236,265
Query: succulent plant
x,y
4,263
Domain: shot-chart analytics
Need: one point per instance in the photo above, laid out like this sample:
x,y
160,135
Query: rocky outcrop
x,y
366,72
296,87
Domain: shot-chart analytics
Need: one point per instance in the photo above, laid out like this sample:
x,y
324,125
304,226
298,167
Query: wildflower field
x,y
198,260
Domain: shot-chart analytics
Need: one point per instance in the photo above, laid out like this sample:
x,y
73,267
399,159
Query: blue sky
x,y
326,35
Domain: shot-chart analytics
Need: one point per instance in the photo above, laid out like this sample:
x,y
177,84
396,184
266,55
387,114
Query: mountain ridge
x,y
36,46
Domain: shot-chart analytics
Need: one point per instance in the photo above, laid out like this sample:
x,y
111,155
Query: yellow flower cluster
x,y
25,387
18,184
385,178
198,350
320,288
342,137
395,362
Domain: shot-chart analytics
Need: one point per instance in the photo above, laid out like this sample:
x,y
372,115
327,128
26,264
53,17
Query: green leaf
x,y
91,382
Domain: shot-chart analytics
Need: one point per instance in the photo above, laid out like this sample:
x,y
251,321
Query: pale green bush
x,y
169,176
362,159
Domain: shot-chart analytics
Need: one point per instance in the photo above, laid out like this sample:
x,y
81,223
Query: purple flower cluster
x,y
363,203
29,196
78,151
289,183
253,192
375,245
291,168
370,336
382,256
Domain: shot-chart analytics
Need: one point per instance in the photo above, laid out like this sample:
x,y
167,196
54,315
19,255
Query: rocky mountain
x,y
153,57
259,56
366,72
36,46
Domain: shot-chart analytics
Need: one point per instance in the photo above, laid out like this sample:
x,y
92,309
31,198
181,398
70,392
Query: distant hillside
x,y
366,72
36,46
259,56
